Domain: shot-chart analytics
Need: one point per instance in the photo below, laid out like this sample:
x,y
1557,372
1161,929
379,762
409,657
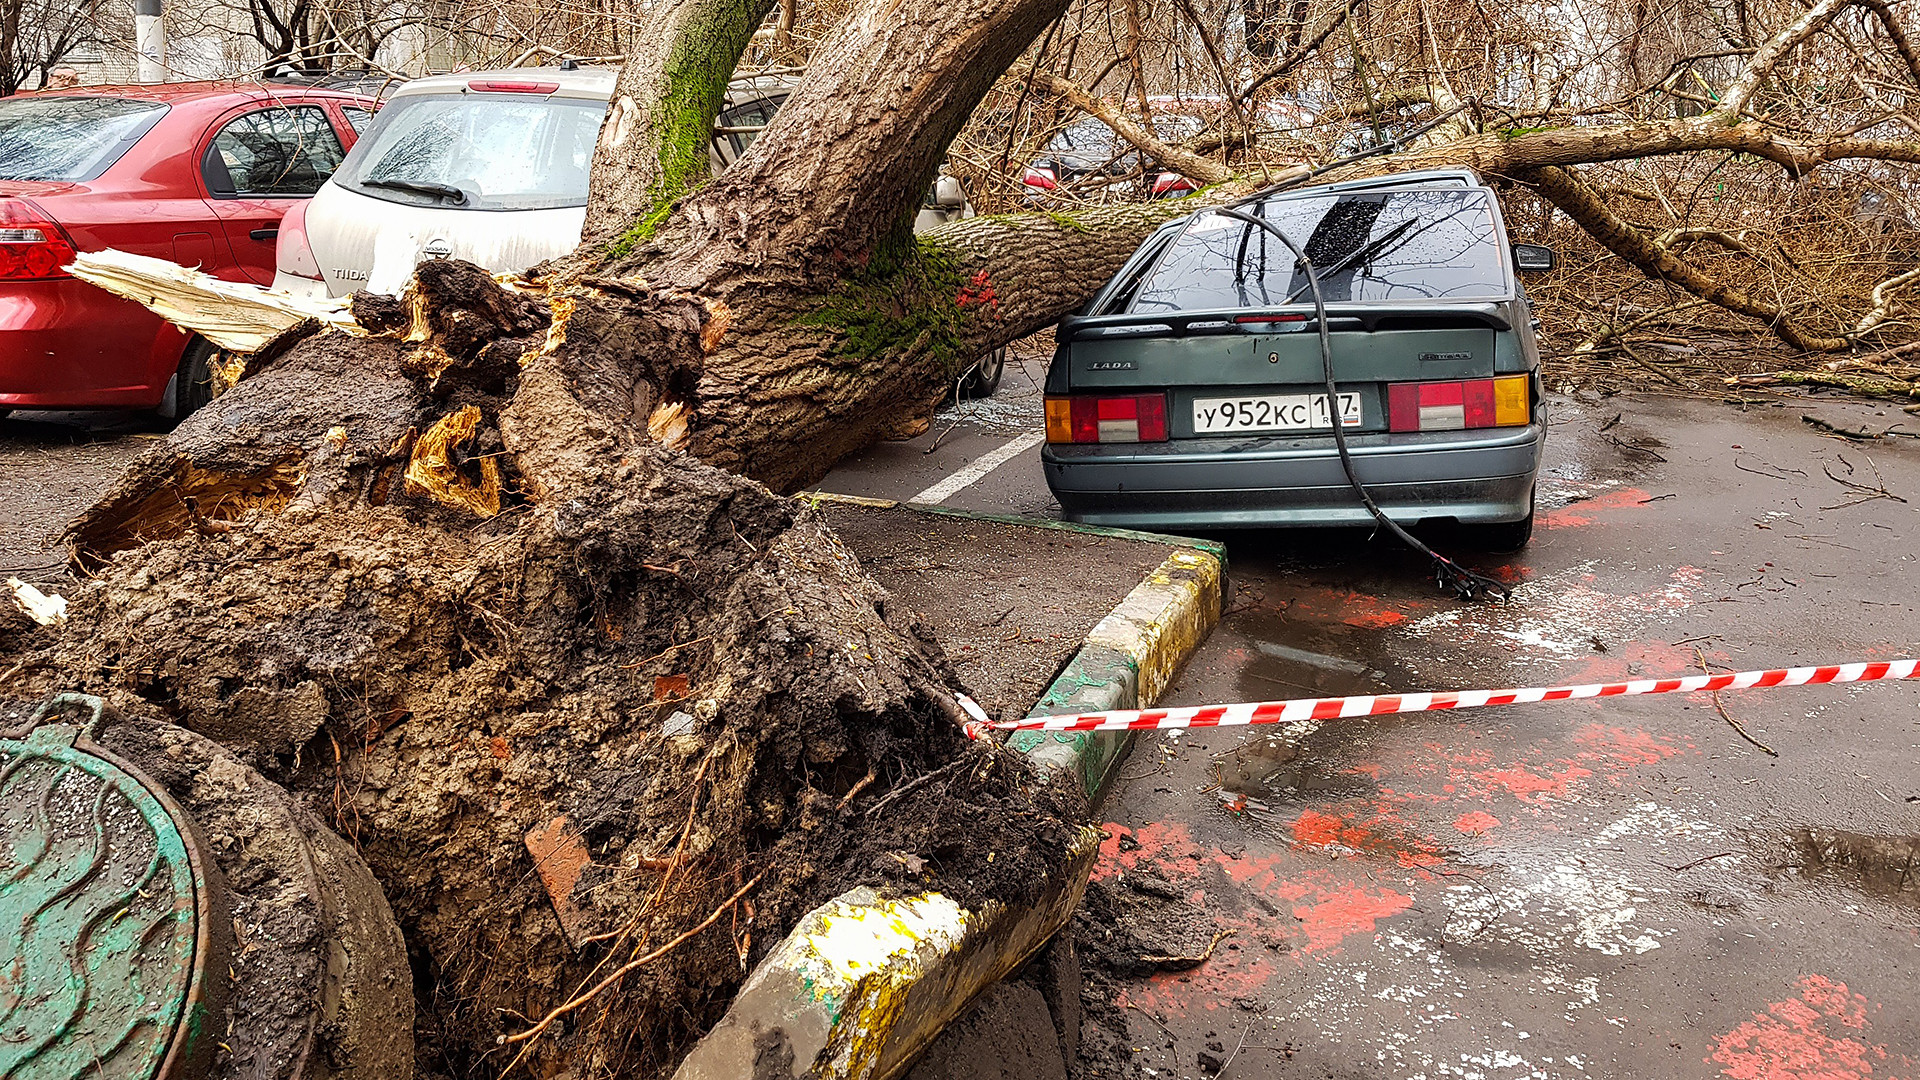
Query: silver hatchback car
x,y
1191,391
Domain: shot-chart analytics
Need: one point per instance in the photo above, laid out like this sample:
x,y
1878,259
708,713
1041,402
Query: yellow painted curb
x,y
1163,620
866,982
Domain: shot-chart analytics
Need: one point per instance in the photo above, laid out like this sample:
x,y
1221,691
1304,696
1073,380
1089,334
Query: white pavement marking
x,y
980,466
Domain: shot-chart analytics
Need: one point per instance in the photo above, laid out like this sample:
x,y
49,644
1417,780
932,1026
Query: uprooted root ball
x,y
645,698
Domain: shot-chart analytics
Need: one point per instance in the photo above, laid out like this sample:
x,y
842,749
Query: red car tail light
x,y
1168,183
1457,406
1089,418
292,253
33,247
495,86
1269,318
1040,177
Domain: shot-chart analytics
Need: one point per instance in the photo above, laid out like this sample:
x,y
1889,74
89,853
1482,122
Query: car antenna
x,y
1450,575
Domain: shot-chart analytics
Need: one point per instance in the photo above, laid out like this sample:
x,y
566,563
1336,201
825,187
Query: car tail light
x,y
1168,183
32,245
1092,418
1456,406
1040,177
1269,318
495,86
292,253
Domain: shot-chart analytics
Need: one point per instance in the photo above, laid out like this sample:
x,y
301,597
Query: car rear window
x,y
501,151
69,138
1409,245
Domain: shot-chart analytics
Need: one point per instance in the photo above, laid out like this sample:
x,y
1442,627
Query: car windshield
x,y
1085,145
477,151
69,138
1367,246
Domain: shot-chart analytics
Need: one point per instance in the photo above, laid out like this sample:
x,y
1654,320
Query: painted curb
x,y
1211,547
1127,662
863,984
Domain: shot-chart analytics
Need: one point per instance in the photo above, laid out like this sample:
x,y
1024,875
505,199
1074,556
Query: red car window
x,y
280,151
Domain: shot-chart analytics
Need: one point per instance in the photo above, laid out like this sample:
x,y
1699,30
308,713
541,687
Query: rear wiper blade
x,y
423,187
1368,251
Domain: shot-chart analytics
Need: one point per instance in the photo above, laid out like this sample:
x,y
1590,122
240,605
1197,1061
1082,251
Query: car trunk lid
x,y
1269,369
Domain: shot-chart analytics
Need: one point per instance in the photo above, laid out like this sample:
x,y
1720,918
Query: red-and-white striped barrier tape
x,y
1333,708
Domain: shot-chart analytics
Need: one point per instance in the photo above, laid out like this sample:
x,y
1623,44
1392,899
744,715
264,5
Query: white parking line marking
x,y
980,466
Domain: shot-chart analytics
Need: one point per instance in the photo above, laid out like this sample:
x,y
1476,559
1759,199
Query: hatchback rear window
x,y
477,151
69,138
1410,245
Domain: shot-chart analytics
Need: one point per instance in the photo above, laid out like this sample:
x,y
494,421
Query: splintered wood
x,y
205,500
431,470
235,316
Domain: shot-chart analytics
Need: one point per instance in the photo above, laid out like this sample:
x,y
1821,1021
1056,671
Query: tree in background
x,y
36,35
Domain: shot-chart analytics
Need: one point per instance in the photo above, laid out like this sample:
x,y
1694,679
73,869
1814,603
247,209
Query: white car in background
x,y
492,167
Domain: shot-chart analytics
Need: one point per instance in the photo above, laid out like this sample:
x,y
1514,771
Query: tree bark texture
x,y
653,147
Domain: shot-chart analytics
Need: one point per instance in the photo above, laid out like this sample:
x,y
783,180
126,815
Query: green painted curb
x,y
1126,663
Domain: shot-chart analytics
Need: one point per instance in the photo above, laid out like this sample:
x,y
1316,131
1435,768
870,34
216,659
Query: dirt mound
x,y
648,707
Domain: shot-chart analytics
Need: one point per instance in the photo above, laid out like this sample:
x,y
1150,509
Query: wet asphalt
x,y
1626,888
1612,888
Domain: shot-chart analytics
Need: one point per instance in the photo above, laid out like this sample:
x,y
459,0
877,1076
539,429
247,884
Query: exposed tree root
x,y
633,630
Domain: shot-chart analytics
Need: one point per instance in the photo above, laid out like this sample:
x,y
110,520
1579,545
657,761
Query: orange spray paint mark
x,y
1584,511
1821,1035
1347,910
1380,835
1475,822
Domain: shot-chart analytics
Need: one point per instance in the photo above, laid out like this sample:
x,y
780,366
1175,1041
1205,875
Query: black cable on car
x,y
1464,583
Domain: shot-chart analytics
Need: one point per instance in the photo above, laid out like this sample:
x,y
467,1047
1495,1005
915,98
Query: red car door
x,y
258,161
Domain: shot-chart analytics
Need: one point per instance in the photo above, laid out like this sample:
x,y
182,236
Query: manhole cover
x,y
104,916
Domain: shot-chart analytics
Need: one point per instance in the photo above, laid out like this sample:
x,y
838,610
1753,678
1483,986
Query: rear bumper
x,y
65,344
304,288
1472,477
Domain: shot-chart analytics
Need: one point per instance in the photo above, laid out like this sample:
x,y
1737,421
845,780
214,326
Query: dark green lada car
x,y
1191,394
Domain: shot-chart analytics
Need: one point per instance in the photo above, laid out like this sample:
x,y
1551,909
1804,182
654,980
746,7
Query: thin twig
x,y
1241,1045
562,1010
1721,709
1778,474
914,784
1155,1019
1864,493
1624,445
1697,862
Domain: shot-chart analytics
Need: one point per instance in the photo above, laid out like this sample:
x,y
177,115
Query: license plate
x,y
1287,412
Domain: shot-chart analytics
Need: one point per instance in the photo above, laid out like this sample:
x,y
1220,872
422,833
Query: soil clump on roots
x,y
578,699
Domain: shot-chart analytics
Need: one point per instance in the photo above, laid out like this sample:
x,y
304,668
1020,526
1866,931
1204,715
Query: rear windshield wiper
x,y
424,187
1365,253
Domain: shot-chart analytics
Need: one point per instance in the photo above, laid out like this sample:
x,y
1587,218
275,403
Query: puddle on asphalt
x,y
1289,660
1883,866
1261,766
1272,763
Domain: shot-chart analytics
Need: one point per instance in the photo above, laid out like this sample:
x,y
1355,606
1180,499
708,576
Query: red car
x,y
199,173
